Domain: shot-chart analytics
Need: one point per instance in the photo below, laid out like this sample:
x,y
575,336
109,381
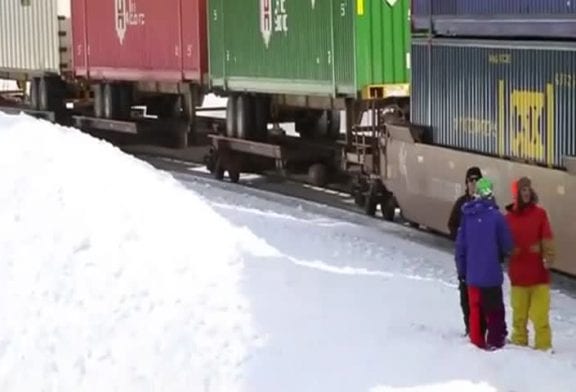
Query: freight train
x,y
428,88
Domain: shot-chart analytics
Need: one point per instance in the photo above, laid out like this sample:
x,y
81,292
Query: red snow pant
x,y
487,303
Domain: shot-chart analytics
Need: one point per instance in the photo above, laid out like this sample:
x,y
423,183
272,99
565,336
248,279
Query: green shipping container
x,y
334,48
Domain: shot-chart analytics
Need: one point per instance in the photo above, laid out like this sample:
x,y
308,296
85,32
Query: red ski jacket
x,y
532,245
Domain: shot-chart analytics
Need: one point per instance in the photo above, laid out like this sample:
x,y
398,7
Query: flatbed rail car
x,y
286,154
304,62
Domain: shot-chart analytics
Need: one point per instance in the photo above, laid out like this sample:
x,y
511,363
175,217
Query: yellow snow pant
x,y
531,302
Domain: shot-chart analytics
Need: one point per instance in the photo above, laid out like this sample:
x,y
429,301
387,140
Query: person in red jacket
x,y
528,269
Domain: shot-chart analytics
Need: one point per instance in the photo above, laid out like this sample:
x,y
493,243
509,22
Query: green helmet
x,y
484,187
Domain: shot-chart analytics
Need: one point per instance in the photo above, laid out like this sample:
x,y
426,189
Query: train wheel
x,y
359,198
358,187
231,112
34,93
371,205
245,117
124,100
234,175
110,101
166,106
373,198
388,207
98,100
318,124
219,169
304,125
210,160
50,93
328,125
43,94
44,91
181,138
318,174
261,117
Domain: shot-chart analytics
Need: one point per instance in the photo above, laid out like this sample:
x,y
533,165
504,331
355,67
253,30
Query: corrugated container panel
x,y
29,41
508,99
279,46
383,38
494,18
308,46
419,94
140,40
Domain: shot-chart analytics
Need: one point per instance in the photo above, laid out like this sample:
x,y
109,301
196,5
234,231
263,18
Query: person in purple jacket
x,y
483,243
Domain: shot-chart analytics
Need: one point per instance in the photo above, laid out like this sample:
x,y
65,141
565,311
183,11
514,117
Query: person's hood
x,y
479,206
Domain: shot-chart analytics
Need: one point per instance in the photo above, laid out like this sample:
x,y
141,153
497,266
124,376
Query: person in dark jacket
x,y
483,242
473,174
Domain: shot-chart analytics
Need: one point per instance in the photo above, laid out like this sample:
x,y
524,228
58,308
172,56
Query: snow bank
x,y
112,276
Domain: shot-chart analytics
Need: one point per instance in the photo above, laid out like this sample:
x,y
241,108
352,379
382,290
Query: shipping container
x,y
512,99
496,18
310,47
140,40
33,39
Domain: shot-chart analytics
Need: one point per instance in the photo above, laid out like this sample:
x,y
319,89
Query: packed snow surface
x,y
112,275
115,277
350,303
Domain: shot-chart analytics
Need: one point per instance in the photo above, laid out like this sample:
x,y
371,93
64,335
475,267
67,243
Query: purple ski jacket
x,y
482,243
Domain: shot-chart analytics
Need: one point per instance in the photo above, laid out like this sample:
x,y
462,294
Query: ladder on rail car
x,y
363,138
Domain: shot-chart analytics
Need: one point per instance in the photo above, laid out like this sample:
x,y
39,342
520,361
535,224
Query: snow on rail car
x,y
142,52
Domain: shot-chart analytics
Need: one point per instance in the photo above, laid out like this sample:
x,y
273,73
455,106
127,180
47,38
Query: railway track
x,y
188,168
187,164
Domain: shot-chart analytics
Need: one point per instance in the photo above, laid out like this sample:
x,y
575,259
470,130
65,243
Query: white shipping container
x,y
30,43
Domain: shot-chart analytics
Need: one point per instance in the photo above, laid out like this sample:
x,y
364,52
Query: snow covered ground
x,y
113,275
359,307
110,275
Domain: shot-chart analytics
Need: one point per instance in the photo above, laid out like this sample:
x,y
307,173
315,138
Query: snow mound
x,y
113,277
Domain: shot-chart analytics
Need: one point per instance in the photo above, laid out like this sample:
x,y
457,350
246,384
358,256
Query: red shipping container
x,y
140,40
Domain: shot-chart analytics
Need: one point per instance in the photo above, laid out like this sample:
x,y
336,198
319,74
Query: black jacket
x,y
455,215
